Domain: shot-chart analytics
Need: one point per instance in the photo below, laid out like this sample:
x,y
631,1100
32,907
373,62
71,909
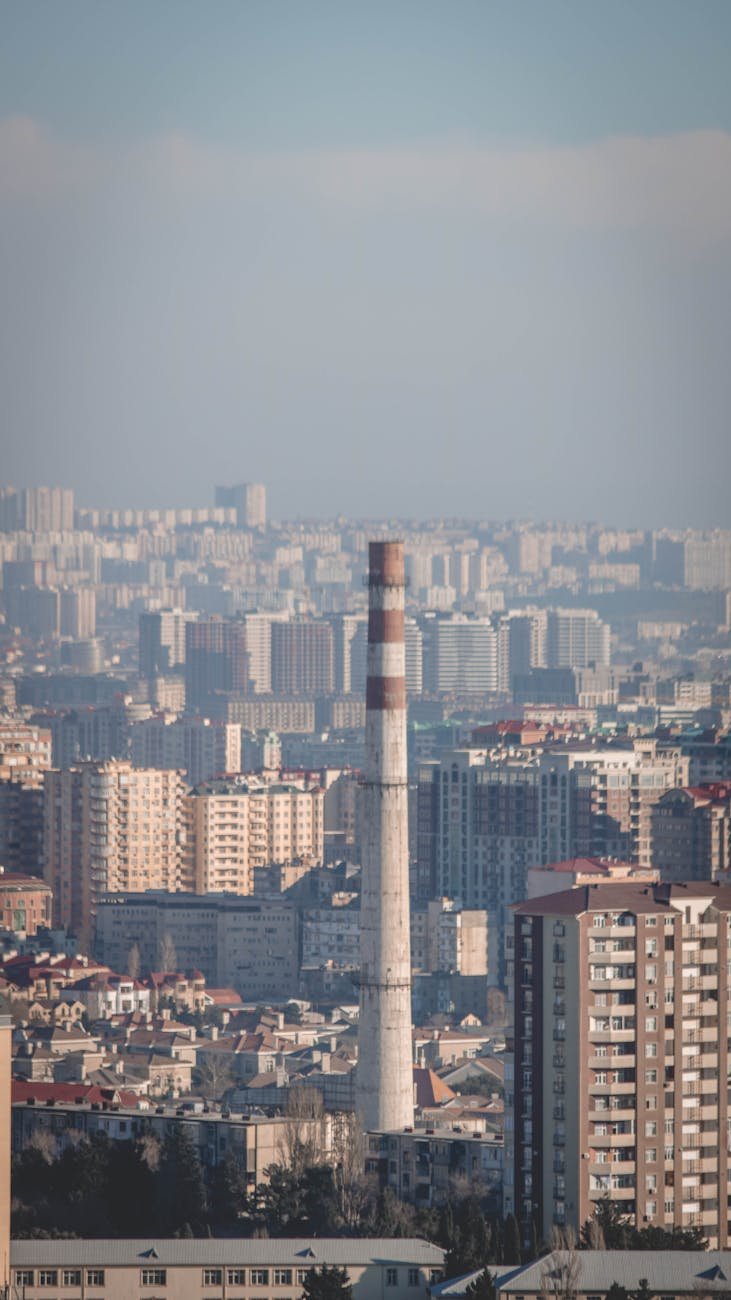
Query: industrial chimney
x,y
385,1076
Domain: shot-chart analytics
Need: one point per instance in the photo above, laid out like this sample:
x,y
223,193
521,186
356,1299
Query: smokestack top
x,y
386,564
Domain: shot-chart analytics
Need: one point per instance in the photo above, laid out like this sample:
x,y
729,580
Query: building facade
x,y
109,826
621,1008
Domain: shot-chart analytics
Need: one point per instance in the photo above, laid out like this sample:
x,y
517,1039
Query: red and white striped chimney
x,y
385,1076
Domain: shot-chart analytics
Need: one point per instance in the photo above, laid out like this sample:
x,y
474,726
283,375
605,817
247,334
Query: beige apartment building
x,y
109,826
621,1056
25,751
234,827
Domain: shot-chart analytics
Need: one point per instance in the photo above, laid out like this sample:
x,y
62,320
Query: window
x,y
650,1128
212,1276
282,1277
260,1277
651,1155
236,1277
47,1277
650,1049
154,1277
95,1277
650,1076
24,1277
71,1277
414,1278
391,1277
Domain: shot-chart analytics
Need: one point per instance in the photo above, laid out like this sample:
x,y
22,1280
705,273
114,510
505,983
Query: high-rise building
x,y
109,826
621,1057
249,500
37,510
216,662
233,827
78,613
162,640
385,1078
200,748
690,834
414,657
303,658
462,655
25,755
576,638
349,643
484,819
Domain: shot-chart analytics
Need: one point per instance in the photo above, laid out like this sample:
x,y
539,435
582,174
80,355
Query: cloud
x,y
677,183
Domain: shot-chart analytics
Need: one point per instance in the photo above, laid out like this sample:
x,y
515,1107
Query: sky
x,y
467,258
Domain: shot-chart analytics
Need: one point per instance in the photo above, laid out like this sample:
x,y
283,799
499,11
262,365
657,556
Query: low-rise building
x,y
188,1270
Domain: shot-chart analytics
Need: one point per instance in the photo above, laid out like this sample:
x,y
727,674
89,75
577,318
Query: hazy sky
x,y
405,258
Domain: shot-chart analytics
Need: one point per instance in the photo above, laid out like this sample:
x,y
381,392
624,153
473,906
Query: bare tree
x,y
355,1189
213,1074
303,1138
133,962
595,1235
167,956
560,1270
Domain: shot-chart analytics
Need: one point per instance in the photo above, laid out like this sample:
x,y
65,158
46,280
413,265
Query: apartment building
x,y
25,752
484,818
250,944
303,658
109,826
283,716
25,902
216,662
25,755
200,748
461,655
576,638
690,832
162,640
621,1007
234,826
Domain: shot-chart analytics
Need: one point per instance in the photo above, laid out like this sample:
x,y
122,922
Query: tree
x,y
511,1244
560,1271
614,1226
302,1142
213,1074
327,1284
228,1190
134,962
355,1190
167,957
617,1292
181,1193
643,1291
483,1287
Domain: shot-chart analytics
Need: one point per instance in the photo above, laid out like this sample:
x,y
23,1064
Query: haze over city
x,y
416,260
365,650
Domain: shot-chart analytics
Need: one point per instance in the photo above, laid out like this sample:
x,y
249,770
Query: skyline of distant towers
x,y
385,1078
249,500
